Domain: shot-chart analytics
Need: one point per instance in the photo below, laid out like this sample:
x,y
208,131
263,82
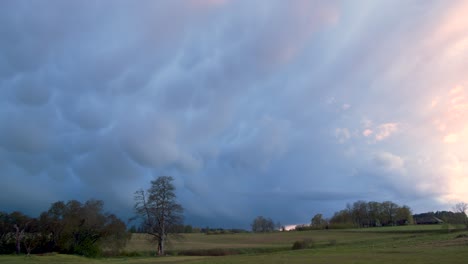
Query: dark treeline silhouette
x,y
440,217
71,227
371,214
363,214
262,224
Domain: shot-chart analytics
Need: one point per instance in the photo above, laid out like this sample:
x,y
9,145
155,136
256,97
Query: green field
x,y
408,244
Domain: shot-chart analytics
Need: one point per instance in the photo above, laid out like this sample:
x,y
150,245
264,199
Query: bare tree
x,y
31,241
462,208
20,223
318,222
159,210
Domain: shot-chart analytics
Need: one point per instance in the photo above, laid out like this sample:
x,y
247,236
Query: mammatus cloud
x,y
367,132
251,107
342,134
389,162
386,130
380,132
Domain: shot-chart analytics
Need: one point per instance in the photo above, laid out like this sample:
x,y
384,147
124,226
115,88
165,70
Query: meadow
x,y
405,244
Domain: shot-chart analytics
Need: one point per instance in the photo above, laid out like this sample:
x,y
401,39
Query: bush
x,y
462,236
304,228
87,248
303,244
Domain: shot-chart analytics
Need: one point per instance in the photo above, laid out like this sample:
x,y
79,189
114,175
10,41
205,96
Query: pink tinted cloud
x,y
367,132
450,36
345,106
451,113
386,130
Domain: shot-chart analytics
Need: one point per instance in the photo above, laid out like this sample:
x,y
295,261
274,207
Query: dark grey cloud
x,y
254,108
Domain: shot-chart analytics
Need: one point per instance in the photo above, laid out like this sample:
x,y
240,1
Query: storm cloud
x,y
274,108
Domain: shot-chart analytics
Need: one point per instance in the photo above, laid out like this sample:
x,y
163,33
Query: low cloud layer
x,y
267,108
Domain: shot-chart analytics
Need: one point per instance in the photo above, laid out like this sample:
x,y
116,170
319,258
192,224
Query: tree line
x,y
439,217
356,215
261,224
372,214
85,229
71,228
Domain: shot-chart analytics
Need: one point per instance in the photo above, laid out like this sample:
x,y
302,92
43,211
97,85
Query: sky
x,y
283,109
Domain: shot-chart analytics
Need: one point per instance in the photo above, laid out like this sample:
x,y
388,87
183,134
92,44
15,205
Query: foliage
x,y
262,224
187,229
159,211
462,208
221,231
70,227
304,228
371,214
318,222
440,217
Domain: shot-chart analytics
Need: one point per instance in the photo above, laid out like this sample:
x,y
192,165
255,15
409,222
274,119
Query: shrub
x,y
87,248
303,244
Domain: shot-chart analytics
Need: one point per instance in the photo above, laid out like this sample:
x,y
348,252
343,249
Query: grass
x,y
70,259
409,244
412,228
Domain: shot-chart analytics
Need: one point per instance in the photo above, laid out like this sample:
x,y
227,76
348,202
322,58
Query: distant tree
x,y
317,221
262,224
360,213
7,245
52,224
278,226
20,223
83,229
132,229
389,210
114,235
5,229
32,237
188,229
71,227
368,214
404,216
158,209
342,219
375,213
462,208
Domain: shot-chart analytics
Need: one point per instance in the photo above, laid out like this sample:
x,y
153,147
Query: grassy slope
x,y
382,245
267,240
67,259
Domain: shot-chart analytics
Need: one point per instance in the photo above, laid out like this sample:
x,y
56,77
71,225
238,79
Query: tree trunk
x,y
161,245
162,236
18,237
